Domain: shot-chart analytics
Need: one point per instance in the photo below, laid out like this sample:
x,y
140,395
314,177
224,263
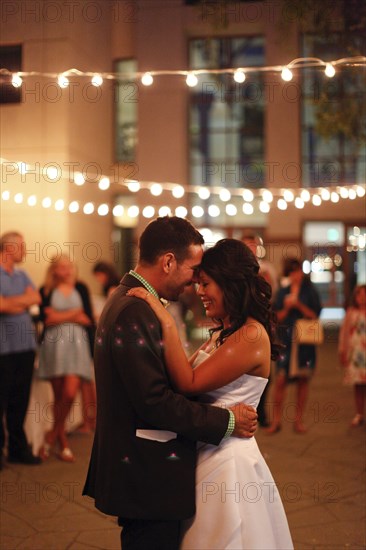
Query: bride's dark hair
x,y
234,267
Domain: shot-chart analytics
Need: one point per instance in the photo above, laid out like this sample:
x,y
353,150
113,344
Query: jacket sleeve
x,y
137,351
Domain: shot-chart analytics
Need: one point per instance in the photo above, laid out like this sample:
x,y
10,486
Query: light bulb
x,y
225,195
88,208
5,195
299,203
103,209
148,211
181,212
213,211
334,197
79,178
264,207
231,210
286,74
59,205
197,212
352,194
156,189
316,200
16,80
46,202
305,195
74,207
118,210
97,80
343,191
164,211
104,184
248,208
204,193
248,195
32,200
147,79
325,195
133,211
239,76
288,195
360,191
329,70
63,81
178,191
18,198
134,186
267,195
282,204
191,80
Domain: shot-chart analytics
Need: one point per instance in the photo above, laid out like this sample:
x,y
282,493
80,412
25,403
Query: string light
x,y
197,212
74,207
133,211
181,212
329,70
147,78
191,80
118,210
59,205
164,211
148,211
264,207
104,184
203,193
286,74
248,208
63,81
231,209
178,191
224,195
248,195
133,186
88,208
16,80
97,80
261,198
288,195
239,76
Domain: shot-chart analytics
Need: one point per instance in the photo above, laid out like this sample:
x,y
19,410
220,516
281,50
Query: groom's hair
x,y
168,234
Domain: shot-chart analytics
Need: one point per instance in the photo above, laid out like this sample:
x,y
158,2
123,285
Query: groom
x,y
142,466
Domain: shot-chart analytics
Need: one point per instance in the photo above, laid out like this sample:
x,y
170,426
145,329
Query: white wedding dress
x,y
238,504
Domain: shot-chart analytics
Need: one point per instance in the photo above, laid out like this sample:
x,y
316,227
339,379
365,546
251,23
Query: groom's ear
x,y
167,261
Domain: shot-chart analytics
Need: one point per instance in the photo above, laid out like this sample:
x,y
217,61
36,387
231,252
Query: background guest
x,y
299,299
352,350
18,346
107,276
65,353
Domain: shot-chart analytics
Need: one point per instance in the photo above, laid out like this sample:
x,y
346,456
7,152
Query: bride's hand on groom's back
x,y
246,419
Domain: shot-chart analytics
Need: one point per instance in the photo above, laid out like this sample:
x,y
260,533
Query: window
x,y
226,128
126,97
11,59
333,116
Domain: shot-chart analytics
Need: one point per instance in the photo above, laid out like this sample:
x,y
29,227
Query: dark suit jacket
x,y
129,476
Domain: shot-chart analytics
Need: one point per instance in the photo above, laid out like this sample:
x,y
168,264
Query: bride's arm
x,y
244,351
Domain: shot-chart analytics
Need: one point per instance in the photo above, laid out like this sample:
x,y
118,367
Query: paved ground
x,y
321,477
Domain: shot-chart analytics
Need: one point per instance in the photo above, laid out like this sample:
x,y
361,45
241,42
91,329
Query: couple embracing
x,y
174,455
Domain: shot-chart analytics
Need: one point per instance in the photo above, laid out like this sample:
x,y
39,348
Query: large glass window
x,y
333,115
126,97
226,129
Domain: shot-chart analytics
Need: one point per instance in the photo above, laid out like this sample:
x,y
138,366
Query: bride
x,y
237,503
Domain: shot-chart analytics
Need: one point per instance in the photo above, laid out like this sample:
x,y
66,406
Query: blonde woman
x,y
65,355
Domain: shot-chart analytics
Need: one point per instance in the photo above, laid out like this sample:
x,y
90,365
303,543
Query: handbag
x,y
305,332
308,331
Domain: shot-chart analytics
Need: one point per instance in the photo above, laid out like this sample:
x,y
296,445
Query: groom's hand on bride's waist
x,y
246,419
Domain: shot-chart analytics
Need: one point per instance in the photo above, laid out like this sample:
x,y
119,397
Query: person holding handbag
x,y
298,300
